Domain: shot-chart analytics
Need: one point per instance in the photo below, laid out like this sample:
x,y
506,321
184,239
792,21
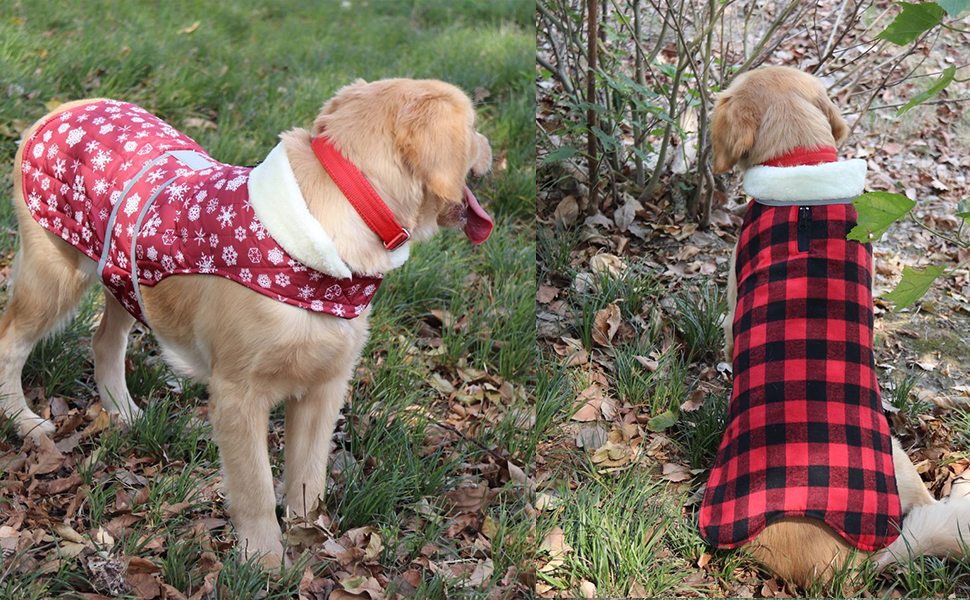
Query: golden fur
x,y
417,142
763,114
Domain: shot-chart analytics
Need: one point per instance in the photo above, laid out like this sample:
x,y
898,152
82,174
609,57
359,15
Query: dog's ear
x,y
840,129
345,93
733,130
431,137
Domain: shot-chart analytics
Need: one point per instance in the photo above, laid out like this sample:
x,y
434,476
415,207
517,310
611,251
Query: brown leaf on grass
x,y
587,589
144,584
606,324
675,472
587,406
61,485
606,264
136,564
695,401
567,211
554,544
467,498
46,459
100,423
546,294
359,587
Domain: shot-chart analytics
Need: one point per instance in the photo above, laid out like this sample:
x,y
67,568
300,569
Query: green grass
x,y
255,69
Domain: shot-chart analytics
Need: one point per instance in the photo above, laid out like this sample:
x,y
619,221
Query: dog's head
x,y
768,112
421,135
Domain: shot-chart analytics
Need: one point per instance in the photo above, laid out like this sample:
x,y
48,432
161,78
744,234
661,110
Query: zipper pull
x,y
804,224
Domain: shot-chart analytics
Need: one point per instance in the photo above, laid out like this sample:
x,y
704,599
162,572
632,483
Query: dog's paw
x,y
32,426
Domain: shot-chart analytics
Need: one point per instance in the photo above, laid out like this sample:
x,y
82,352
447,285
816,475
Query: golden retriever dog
x,y
783,117
416,142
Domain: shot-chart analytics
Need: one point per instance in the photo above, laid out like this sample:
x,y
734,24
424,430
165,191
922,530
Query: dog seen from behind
x,y
807,476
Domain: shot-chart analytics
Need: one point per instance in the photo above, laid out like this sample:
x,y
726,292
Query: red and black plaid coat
x,y
806,434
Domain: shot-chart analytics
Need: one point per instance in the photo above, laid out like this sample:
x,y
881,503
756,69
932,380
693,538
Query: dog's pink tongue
x,y
479,225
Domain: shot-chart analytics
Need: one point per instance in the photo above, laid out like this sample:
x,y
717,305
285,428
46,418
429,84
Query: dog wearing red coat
x,y
807,477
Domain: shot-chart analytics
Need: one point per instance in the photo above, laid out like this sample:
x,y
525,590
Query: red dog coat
x,y
111,170
806,434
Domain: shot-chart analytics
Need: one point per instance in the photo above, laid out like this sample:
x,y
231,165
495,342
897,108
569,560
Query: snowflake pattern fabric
x,y
81,163
806,435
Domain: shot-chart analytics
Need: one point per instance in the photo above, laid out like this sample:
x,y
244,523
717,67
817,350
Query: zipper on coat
x,y
804,228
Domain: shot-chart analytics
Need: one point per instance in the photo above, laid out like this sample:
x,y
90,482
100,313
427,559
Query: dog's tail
x,y
938,529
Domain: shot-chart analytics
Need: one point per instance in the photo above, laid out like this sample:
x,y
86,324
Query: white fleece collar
x,y
805,183
276,198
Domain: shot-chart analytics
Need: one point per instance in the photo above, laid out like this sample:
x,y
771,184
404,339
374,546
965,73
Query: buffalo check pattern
x,y
806,434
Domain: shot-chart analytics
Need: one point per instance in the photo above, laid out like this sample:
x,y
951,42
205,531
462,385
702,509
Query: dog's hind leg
x,y
938,529
109,344
46,289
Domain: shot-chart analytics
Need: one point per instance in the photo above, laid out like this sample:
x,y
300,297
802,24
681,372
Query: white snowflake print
x,y
275,256
115,279
332,292
150,228
45,184
122,259
305,292
177,192
126,165
240,233
36,175
64,189
100,187
131,204
86,233
38,150
194,212
298,267
47,135
206,264
75,136
257,227
282,279
91,146
75,165
315,275
154,176
145,149
255,255
168,238
106,129
78,215
263,280
27,167
180,257
52,151
97,121
152,253
226,215
369,290
211,206
82,118
199,236
115,196
101,160
245,275
353,290
316,305
220,184
130,146
337,310
75,239
141,134
44,222
201,195
213,239
235,182
359,309
168,263
103,214
229,255
63,127
52,202
79,184
33,201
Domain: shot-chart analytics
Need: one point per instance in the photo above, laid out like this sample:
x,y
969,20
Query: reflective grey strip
x,y
194,161
806,202
114,213
134,244
191,159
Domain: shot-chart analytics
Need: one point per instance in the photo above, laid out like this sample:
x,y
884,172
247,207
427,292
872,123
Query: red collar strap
x,y
364,198
804,156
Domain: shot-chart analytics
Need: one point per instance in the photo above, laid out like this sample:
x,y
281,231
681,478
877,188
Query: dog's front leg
x,y
310,422
240,417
